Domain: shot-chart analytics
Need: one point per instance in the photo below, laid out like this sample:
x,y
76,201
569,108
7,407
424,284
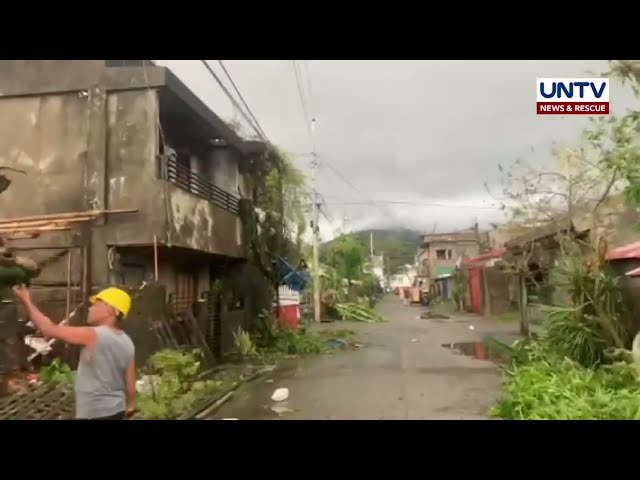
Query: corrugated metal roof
x,y
626,252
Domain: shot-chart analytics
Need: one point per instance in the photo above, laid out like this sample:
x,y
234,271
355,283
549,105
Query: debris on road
x,y
357,313
414,340
431,316
471,327
281,409
280,395
337,343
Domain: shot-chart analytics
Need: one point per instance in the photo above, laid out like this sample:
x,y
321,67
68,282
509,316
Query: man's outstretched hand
x,y
22,294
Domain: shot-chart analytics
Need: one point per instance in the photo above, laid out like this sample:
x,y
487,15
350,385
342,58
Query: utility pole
x,y
371,243
316,232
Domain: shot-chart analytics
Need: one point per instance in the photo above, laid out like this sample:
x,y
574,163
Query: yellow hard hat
x,y
114,297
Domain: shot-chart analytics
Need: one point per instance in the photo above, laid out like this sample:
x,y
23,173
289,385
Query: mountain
x,y
399,246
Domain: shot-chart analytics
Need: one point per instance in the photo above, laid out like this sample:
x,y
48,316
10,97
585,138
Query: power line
x,y
233,101
309,91
417,204
257,124
357,190
305,110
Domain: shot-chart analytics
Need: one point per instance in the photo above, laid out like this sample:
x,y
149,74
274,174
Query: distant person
x,y
105,383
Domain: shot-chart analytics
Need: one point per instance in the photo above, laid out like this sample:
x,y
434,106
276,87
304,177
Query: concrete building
x,y
440,252
109,135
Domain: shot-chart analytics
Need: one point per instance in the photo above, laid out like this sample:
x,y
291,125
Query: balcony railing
x,y
184,178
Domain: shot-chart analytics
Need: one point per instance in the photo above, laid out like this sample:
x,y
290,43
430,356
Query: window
x,y
444,254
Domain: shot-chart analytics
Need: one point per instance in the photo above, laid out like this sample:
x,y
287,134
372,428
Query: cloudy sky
x,y
421,132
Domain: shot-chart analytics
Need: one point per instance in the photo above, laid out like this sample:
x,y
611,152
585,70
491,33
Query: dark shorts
x,y
117,416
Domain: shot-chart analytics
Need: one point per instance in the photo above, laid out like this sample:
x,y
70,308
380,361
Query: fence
x,y
186,179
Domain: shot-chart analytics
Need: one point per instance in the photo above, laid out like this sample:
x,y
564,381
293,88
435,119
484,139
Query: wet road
x,y
402,373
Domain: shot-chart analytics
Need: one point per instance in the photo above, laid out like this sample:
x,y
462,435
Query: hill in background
x,y
399,246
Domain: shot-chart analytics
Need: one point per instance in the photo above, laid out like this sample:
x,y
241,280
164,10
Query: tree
x,y
575,180
617,139
283,198
347,254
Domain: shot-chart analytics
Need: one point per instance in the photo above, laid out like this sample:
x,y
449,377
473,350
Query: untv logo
x,y
572,96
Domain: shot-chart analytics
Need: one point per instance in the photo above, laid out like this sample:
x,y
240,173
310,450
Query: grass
x,y
509,317
443,308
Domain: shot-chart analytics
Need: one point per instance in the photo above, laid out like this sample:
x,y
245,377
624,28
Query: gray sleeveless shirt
x,y
102,375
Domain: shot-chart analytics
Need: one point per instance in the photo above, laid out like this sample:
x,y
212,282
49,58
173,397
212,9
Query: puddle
x,y
477,350
252,401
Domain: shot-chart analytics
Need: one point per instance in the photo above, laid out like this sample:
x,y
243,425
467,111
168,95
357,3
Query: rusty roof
x,y
537,233
630,251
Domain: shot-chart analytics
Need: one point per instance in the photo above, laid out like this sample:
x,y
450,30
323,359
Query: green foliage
x,y
273,342
176,387
616,140
399,246
244,344
347,255
354,312
57,372
370,288
558,389
569,373
597,318
284,197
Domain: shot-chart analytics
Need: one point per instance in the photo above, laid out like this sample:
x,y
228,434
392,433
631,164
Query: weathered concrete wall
x,y
27,77
469,249
131,176
200,225
47,137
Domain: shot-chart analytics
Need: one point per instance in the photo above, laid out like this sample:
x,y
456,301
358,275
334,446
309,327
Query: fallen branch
x,y
215,406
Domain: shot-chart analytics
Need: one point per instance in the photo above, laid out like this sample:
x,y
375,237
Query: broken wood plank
x,y
34,231
58,216
190,317
44,223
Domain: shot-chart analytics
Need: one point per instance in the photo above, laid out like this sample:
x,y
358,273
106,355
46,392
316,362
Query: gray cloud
x,y
420,131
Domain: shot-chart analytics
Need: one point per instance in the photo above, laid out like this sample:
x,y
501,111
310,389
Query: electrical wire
x,y
418,204
305,110
234,101
257,124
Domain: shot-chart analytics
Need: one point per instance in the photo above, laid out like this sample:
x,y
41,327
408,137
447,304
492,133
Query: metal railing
x,y
184,178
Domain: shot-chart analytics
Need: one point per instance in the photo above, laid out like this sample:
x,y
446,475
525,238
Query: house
x,y
625,262
104,135
440,252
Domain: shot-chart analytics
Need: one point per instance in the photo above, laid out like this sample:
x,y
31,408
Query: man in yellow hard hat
x,y
105,384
